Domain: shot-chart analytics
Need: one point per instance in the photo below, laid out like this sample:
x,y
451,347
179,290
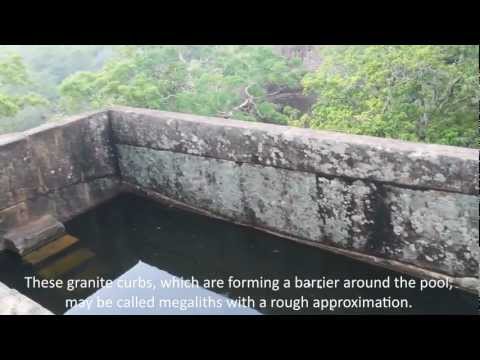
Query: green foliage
x,y
230,81
49,65
417,93
30,102
13,83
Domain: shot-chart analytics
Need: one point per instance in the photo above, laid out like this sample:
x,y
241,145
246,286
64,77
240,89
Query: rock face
x,y
413,204
405,205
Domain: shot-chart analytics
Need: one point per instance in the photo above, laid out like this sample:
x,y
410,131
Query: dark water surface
x,y
132,239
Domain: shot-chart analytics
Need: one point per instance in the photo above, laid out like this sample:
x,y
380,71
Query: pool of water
x,y
133,238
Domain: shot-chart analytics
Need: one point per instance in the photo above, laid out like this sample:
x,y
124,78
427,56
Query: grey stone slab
x,y
53,156
33,234
335,154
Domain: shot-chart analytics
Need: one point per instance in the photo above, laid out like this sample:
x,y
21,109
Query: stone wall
x,y
409,204
60,169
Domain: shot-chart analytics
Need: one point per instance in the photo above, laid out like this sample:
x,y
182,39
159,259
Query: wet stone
x,y
27,238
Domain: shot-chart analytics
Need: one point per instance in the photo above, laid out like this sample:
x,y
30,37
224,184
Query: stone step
x,y
66,264
24,239
52,248
93,270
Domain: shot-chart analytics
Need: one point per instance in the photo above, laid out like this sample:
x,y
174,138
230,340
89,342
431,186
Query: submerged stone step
x,y
94,269
52,248
66,263
24,239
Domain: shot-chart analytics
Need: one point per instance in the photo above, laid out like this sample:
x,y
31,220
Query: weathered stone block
x,y
299,204
33,234
61,168
53,156
63,203
327,153
18,174
208,183
347,211
433,230
73,151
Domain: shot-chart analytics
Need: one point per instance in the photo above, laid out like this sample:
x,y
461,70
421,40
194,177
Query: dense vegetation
x,y
229,81
34,75
417,93
13,81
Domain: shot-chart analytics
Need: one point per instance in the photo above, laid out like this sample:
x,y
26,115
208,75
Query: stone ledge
x,y
415,165
28,237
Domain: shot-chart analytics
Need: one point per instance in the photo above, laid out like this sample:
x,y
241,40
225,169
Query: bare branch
x,y
247,101
168,97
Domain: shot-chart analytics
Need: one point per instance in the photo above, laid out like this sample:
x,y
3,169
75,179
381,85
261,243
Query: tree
x,y
227,81
13,81
417,93
16,94
49,65
14,91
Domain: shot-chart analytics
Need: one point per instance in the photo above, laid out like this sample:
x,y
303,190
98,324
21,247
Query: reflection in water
x,y
139,292
131,236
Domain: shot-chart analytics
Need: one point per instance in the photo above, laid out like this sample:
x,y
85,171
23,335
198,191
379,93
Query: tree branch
x,y
247,101
168,97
